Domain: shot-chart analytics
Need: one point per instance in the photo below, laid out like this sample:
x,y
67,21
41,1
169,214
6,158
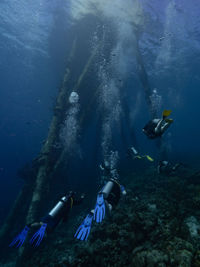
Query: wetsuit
x,y
60,212
149,129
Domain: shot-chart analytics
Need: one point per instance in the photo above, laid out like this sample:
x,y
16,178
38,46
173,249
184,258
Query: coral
x,y
151,226
150,258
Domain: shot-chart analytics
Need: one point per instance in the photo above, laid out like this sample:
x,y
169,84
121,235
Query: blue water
x,y
33,50
34,46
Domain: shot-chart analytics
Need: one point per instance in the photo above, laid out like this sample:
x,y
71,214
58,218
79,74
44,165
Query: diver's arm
x,y
108,206
158,169
176,166
101,167
165,127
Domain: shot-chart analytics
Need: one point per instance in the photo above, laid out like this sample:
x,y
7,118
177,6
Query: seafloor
x,y
156,224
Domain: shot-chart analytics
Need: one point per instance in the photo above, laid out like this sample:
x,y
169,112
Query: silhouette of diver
x,y
156,127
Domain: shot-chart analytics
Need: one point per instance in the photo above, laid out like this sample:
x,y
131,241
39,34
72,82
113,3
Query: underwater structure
x,y
90,101
81,80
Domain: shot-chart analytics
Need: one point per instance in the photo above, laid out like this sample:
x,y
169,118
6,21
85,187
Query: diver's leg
x,y
176,166
158,128
108,206
165,127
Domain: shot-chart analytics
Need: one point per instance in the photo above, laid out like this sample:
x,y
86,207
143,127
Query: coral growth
x,y
155,224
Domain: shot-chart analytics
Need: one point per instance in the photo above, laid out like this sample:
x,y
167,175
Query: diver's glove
x,y
20,238
83,231
99,211
38,235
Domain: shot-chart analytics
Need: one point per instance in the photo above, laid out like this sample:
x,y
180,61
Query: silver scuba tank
x,y
107,189
58,207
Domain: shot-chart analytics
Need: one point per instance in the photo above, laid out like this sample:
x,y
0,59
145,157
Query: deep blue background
x,y
33,51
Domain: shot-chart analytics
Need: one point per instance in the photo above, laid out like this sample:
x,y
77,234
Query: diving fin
x,y
38,236
145,156
166,113
149,158
83,231
138,157
20,238
99,211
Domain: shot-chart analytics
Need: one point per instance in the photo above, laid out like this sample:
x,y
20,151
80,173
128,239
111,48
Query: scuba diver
x,y
105,171
107,198
133,153
108,167
164,167
156,127
108,171
48,223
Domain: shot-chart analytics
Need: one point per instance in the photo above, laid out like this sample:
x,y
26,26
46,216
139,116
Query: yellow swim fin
x,y
149,158
138,157
166,113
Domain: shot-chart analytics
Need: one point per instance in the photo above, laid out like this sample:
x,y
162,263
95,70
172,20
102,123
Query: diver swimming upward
x,y
108,171
48,223
156,127
165,167
133,154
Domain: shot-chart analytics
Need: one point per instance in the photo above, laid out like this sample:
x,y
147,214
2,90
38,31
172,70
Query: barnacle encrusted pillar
x,y
45,158
28,195
48,167
17,210
76,88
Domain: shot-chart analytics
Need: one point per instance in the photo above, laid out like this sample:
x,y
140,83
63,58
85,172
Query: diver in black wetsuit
x,y
61,210
108,172
109,197
48,223
156,127
105,170
164,167
111,193
133,154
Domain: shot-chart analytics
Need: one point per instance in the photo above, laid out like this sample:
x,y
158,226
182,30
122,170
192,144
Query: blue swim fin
x,y
20,238
99,211
38,236
83,231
